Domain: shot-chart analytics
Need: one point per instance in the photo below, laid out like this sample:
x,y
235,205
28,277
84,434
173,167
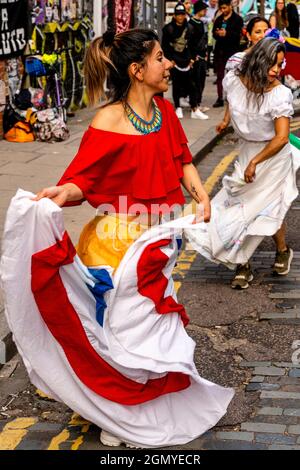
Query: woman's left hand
x,y
207,209
249,174
203,211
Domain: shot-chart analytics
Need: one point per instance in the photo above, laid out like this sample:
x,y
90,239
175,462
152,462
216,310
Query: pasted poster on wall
x,y
52,11
38,12
88,7
13,27
123,15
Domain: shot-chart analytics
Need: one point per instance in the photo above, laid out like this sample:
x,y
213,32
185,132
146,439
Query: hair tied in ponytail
x,y
108,38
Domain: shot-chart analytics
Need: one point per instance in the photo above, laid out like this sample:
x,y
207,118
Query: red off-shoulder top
x,y
147,169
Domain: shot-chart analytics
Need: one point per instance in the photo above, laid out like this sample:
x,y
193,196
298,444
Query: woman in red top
x,y
130,166
123,152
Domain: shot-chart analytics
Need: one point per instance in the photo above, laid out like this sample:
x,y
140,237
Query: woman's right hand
x,y
58,194
221,127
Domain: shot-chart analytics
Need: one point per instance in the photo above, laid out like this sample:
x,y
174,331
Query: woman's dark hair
x,y
282,21
224,2
256,65
253,21
109,57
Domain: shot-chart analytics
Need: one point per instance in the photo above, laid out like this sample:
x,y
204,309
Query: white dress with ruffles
x,y
244,213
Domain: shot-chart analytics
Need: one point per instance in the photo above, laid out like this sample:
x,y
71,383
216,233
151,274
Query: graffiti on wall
x,y
123,15
13,28
120,15
65,26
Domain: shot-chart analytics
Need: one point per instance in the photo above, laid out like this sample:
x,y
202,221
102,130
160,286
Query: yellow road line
x,y
219,171
65,436
43,395
14,431
186,259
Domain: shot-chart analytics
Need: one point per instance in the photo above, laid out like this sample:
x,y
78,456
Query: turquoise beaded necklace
x,y
145,127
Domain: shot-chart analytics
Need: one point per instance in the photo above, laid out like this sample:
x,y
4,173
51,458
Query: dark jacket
x,y
293,19
176,43
230,44
198,39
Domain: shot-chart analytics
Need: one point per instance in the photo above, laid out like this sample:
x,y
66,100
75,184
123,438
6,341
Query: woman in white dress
x,y
255,31
255,199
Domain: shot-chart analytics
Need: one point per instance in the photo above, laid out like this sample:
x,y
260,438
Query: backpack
x,y
47,125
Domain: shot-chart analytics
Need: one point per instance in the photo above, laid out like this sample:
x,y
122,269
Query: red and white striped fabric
x,y
134,374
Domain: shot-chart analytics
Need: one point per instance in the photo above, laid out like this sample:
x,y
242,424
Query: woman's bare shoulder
x,y
109,117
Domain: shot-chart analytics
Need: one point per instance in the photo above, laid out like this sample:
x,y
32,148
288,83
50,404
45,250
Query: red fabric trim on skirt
x,y
63,322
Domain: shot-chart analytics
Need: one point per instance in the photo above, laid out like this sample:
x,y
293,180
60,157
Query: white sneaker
x,y
184,103
109,440
179,113
203,109
198,115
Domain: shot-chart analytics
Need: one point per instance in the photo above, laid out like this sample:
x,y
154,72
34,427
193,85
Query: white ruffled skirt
x,y
243,214
108,356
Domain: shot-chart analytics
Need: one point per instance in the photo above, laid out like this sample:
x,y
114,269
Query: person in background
x,y
188,8
293,19
184,100
279,17
212,8
199,51
255,31
208,20
227,32
176,44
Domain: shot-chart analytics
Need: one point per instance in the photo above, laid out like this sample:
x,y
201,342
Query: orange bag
x,y
20,132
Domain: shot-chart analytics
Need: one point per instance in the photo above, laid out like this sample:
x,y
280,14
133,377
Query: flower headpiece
x,y
275,34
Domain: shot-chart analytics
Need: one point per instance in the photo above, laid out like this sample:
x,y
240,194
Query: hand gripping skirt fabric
x,y
108,340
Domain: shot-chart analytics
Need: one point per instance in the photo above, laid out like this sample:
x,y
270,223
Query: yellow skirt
x,y
106,238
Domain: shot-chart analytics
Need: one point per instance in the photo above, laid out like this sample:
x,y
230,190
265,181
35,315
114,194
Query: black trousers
x,y
198,77
181,86
220,63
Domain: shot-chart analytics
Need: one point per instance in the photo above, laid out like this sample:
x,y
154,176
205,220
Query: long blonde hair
x,y
108,57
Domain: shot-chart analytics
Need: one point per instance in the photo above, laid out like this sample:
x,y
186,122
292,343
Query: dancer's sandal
x,y
242,277
109,440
